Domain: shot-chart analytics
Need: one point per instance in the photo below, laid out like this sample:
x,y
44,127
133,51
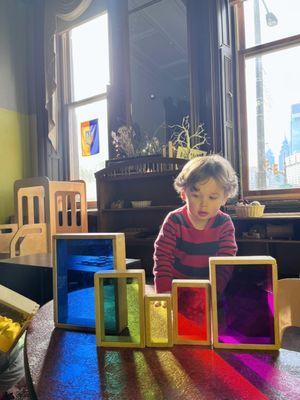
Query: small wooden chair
x,y
43,208
29,234
288,303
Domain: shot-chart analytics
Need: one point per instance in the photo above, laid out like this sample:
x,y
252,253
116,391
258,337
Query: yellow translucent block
x,y
158,320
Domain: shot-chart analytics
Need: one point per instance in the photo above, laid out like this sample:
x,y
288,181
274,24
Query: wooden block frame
x,y
149,298
216,262
288,303
20,304
139,275
193,283
119,252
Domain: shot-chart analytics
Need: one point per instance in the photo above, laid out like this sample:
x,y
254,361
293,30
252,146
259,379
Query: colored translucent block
x,y
158,320
191,300
120,308
244,302
192,313
16,312
77,259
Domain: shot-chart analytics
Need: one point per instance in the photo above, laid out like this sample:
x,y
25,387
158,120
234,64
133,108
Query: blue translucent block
x,y
77,260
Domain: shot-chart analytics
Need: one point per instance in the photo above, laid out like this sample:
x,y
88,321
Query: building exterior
x,y
292,163
284,153
295,128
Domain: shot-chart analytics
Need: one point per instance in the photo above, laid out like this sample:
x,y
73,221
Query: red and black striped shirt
x,y
182,251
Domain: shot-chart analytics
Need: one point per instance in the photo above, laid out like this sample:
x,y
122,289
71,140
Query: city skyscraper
x,y
295,128
270,158
284,152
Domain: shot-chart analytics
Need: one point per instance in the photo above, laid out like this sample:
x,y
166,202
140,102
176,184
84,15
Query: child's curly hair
x,y
201,169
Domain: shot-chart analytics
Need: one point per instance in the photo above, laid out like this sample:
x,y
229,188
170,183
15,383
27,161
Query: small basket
x,y
250,210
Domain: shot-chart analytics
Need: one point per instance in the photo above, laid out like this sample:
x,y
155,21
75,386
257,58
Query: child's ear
x,y
183,195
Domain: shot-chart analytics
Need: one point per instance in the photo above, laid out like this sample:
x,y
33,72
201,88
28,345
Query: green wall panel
x,y
15,157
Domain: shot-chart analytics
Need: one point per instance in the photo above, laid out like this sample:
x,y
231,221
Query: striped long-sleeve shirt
x,y
182,251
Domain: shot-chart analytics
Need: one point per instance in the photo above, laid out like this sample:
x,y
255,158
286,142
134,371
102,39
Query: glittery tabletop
x,y
67,365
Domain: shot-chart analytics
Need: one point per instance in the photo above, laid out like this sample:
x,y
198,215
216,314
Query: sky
x,y
281,73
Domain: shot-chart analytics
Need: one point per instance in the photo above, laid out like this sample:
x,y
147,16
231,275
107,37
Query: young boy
x,y
198,230
11,369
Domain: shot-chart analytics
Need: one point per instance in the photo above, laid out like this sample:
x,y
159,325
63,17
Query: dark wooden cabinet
x,y
274,234
148,178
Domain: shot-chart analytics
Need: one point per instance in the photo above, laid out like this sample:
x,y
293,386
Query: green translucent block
x,y
121,310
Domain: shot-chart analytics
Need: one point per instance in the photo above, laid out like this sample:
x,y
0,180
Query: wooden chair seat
x,y
7,232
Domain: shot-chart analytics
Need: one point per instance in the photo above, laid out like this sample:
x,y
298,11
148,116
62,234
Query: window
x,y
85,76
269,97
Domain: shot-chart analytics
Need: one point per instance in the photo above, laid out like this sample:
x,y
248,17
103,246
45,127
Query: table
x,y
31,275
66,365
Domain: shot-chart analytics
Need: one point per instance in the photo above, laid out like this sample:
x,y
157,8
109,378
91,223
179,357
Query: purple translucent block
x,y
245,304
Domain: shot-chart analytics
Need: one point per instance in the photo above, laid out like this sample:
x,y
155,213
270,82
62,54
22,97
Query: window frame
x,y
66,104
242,53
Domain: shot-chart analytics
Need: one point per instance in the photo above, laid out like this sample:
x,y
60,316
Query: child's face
x,y
204,202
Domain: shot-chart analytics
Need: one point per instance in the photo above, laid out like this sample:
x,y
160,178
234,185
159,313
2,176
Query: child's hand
x,y
160,304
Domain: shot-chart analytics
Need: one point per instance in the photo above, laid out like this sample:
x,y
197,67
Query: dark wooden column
x,y
202,44
119,98
227,110
210,62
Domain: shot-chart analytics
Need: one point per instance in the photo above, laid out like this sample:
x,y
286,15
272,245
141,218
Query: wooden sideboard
x,y
148,178
151,178
275,234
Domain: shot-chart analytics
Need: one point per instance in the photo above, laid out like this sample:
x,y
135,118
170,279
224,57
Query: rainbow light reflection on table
x,y
83,371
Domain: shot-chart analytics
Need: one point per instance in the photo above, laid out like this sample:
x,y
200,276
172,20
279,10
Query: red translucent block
x,y
191,307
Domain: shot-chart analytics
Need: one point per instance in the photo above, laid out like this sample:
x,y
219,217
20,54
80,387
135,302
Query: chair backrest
x,y
31,205
68,207
30,195
61,205
288,303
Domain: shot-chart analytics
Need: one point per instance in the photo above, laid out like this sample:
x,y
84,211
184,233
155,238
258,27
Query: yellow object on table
x,y
9,330
16,312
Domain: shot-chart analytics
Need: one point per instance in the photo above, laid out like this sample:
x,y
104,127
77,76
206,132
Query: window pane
x,y
132,4
268,20
89,58
159,68
273,118
84,166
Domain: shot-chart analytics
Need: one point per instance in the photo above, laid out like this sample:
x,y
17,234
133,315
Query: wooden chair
x,y
43,208
288,303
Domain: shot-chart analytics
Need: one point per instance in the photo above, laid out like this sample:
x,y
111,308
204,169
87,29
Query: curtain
x,y
67,10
